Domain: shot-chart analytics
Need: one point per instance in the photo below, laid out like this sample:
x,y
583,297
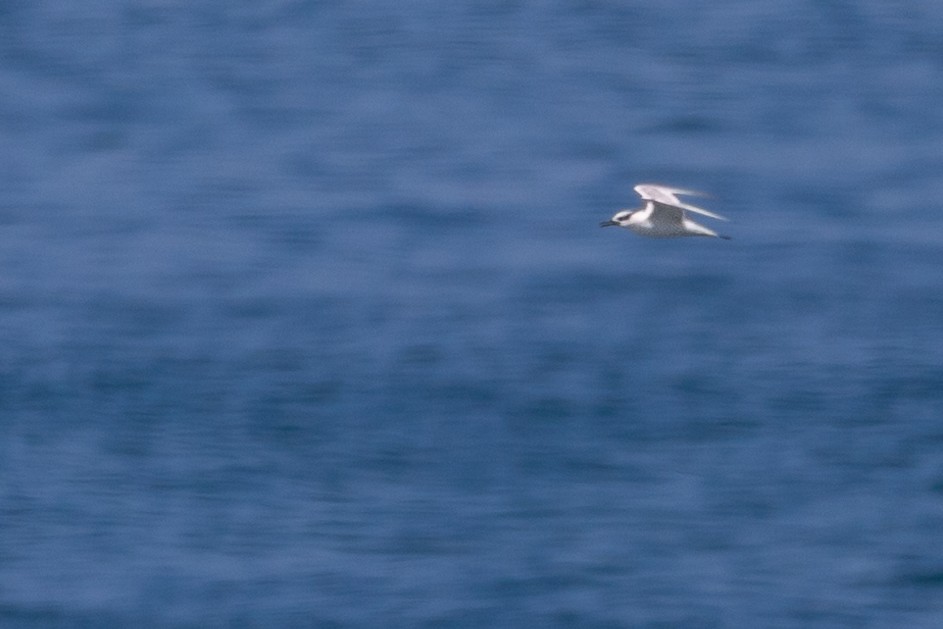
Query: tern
x,y
664,215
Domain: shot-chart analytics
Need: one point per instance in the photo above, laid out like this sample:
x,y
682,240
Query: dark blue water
x,y
306,320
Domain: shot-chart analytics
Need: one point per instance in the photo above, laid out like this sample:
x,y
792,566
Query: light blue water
x,y
306,319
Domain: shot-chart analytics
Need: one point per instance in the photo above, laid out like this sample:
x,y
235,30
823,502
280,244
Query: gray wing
x,y
665,213
666,196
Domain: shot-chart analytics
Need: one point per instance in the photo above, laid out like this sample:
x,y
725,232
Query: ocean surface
x,y
306,319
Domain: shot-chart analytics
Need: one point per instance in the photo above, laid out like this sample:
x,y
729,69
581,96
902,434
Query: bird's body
x,y
663,215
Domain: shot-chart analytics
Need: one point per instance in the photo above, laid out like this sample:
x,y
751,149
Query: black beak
x,y
608,223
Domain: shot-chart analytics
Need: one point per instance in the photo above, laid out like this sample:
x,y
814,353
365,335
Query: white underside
x,y
669,230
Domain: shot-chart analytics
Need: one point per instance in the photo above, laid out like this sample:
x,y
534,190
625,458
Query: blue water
x,y
306,320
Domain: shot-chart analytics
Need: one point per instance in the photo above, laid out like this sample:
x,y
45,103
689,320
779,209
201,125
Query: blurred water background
x,y
306,320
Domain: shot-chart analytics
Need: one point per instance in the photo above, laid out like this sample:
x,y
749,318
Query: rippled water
x,y
306,319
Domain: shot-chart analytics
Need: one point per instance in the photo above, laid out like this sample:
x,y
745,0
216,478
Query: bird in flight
x,y
664,215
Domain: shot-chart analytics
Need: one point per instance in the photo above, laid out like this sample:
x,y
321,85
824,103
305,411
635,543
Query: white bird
x,y
663,215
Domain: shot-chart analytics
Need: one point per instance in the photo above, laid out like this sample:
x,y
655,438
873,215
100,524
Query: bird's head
x,y
619,219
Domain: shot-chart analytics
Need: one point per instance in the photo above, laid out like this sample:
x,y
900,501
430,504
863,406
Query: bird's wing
x,y
667,196
664,213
